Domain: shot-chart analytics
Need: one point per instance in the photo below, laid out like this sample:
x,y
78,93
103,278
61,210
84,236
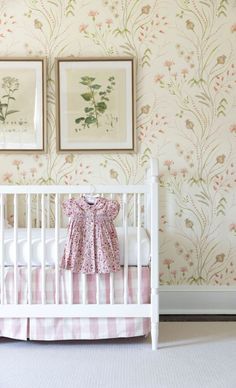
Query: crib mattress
x,y
9,248
75,328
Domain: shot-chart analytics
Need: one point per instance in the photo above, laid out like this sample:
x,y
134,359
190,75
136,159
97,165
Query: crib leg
x,y
154,317
154,335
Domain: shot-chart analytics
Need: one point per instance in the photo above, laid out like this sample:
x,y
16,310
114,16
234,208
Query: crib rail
x,y
52,189
42,209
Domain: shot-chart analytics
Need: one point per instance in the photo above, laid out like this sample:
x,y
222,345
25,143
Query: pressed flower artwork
x,y
22,101
95,104
9,86
97,101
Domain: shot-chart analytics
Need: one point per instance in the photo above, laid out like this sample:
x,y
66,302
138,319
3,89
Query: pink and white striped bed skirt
x,y
75,328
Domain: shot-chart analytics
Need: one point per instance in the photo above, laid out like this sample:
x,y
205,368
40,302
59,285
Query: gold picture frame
x,y
23,105
95,104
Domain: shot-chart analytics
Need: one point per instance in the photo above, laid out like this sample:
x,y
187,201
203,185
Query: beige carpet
x,y
191,355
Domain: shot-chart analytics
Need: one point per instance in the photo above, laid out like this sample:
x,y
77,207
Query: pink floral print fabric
x,y
92,244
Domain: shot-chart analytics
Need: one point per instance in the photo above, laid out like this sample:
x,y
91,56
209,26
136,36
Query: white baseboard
x,y
197,300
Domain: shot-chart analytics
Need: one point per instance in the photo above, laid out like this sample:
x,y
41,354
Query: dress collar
x,y
98,203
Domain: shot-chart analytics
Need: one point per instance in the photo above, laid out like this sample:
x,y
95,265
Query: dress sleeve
x,y
69,206
113,208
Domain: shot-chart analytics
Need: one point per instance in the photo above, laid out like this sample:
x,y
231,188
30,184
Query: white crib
x,y
39,207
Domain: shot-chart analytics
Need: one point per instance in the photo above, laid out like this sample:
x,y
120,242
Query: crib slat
x,y
57,225
97,288
15,247
111,288
70,283
139,250
111,277
135,209
84,289
43,248
146,219
2,246
37,211
29,248
5,208
125,253
48,211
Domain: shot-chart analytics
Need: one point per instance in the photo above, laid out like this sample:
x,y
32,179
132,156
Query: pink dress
x,y
92,244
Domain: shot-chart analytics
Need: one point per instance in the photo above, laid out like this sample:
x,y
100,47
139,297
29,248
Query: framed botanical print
x,y
95,104
22,105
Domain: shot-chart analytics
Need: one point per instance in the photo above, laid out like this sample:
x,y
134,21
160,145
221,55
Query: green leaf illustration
x,y
90,120
101,107
87,109
10,112
86,96
96,86
84,82
87,80
79,120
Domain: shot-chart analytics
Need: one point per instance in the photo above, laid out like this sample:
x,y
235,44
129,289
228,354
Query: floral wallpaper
x,y
186,115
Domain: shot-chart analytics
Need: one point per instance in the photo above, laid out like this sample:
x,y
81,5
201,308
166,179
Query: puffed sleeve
x,y
69,206
113,208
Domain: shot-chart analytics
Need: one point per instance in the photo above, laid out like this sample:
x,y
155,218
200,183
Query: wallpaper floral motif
x,y
186,105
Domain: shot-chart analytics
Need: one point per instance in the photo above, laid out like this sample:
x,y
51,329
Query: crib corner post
x,y
154,253
154,167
